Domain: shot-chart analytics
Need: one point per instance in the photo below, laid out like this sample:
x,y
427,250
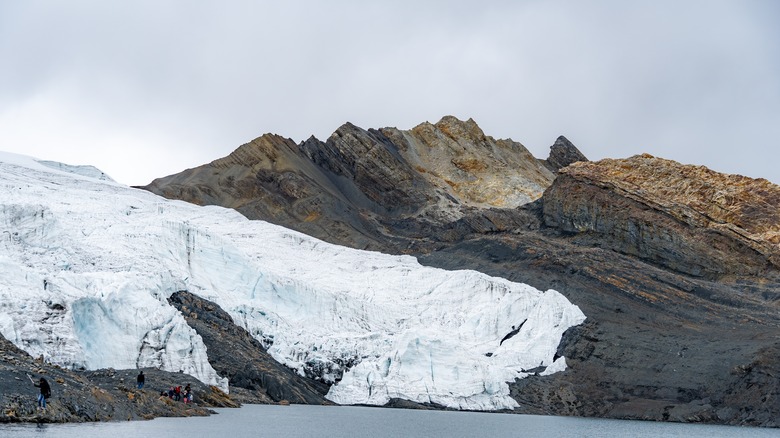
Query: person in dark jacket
x,y
45,392
141,379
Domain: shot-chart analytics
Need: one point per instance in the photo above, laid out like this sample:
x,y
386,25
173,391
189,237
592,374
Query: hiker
x,y
177,393
141,379
45,392
187,394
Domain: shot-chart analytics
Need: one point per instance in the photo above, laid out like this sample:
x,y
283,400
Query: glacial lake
x,y
346,421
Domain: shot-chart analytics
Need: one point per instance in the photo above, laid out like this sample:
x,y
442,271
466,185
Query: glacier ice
x,y
88,265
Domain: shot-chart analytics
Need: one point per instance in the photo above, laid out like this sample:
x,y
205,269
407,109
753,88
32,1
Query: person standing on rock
x,y
141,379
45,392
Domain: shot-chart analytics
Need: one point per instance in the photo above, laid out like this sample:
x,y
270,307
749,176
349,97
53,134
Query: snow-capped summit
x,y
87,266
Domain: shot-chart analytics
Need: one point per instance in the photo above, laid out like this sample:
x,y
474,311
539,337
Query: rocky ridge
x,y
674,266
687,218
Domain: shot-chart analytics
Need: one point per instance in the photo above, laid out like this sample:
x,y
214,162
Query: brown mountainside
x,y
359,183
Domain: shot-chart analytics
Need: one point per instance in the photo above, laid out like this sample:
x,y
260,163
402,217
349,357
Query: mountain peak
x,y
459,129
562,153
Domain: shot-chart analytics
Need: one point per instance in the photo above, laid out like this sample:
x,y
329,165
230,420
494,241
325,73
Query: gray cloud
x,y
145,89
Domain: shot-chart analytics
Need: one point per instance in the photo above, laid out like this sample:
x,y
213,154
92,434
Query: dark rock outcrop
x,y
674,266
235,354
562,153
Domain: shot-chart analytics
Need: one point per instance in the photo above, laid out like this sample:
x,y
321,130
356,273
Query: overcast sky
x,y
144,89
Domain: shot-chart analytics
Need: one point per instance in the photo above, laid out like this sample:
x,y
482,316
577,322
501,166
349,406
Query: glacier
x,y
88,264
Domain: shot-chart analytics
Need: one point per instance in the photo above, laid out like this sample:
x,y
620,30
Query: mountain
x,y
675,266
357,185
97,275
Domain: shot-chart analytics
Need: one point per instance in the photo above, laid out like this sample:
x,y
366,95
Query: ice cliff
x,y
87,266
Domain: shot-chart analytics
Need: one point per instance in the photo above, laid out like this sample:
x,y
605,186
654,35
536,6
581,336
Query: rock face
x,y
675,267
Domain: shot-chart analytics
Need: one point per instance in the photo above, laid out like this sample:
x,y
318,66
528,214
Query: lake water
x,y
346,421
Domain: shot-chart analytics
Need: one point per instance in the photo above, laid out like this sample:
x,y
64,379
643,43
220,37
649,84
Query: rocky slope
x,y
674,266
100,395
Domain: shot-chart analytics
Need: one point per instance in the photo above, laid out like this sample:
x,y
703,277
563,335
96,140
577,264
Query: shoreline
x,y
99,395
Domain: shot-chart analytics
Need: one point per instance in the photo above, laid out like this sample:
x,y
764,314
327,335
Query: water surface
x,y
347,421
